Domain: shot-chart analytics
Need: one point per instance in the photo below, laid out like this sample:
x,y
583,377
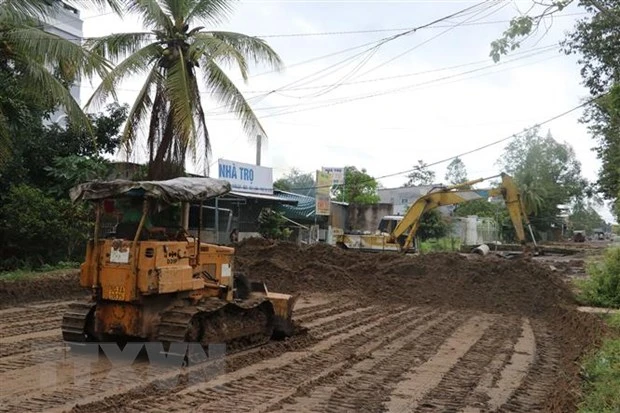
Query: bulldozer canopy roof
x,y
170,191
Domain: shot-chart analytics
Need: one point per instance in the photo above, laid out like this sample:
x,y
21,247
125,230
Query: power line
x,y
514,135
450,28
376,44
372,80
339,101
396,29
374,50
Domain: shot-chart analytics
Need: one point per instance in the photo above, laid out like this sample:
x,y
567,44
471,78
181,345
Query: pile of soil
x,y
442,279
56,285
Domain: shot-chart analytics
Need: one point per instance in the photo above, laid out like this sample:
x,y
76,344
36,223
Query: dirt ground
x,y
381,333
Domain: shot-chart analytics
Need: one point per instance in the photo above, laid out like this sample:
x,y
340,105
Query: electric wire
x,y
477,149
342,100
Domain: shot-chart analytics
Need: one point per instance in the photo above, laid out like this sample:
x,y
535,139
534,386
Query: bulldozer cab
x,y
162,221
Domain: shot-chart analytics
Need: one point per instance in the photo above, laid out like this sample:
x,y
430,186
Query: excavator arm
x,y
457,194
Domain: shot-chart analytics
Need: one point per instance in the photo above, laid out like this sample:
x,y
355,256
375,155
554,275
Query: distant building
x,y
67,24
402,198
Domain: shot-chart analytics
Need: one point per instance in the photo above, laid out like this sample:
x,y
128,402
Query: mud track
x,y
403,349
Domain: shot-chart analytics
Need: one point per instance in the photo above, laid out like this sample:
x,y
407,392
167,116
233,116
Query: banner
x,y
323,189
245,177
336,173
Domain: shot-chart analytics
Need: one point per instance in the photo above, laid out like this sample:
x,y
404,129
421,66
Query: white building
x,y
402,198
67,24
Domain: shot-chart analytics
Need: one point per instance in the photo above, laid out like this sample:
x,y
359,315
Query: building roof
x,y
275,197
302,211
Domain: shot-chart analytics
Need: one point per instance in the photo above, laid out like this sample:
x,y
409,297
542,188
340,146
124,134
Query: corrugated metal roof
x,y
303,211
274,197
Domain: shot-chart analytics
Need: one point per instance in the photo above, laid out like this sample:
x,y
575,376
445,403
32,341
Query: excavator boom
x,y
458,194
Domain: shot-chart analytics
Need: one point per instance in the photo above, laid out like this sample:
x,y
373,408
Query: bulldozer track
x,y
74,322
354,357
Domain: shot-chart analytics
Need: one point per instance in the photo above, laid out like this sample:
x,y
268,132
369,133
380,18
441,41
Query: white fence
x,y
475,230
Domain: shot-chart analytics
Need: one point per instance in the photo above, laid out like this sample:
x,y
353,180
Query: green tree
x,y
297,182
38,229
358,188
421,175
547,173
176,54
456,173
432,225
40,61
584,216
479,207
37,147
596,39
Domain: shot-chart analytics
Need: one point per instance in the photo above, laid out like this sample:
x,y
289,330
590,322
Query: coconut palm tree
x,y
43,63
176,54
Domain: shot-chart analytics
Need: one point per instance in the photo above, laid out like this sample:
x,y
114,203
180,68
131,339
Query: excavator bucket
x,y
283,306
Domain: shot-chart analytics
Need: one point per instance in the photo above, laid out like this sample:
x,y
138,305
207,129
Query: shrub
x,y
603,286
36,229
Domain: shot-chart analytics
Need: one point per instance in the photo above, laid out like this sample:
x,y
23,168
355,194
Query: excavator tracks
x,y
239,326
75,322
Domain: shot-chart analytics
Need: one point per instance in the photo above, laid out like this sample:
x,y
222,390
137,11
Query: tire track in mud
x,y
12,351
9,331
421,377
248,368
367,361
29,397
23,352
293,370
505,373
534,391
32,312
457,383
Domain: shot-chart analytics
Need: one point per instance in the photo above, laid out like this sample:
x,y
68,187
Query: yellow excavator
x,y
166,286
396,233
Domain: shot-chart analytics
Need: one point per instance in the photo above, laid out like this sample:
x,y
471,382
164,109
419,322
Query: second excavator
x,y
396,233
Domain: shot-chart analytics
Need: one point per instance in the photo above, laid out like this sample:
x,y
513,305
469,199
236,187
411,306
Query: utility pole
x,y
258,149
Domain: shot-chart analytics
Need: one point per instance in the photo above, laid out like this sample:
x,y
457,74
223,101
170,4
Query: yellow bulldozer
x,y
396,233
166,286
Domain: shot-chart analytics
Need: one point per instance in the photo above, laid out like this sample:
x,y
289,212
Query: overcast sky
x,y
384,111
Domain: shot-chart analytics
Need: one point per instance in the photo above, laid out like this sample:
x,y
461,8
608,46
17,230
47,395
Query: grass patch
x,y
27,273
440,244
602,288
601,373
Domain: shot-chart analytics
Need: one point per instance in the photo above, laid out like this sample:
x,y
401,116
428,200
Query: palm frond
x,y
151,12
199,115
177,10
229,95
136,63
252,48
180,97
115,5
206,45
138,111
41,79
118,45
212,11
51,49
17,12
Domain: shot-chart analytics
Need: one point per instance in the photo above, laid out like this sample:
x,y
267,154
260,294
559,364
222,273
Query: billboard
x,y
337,174
245,177
323,189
